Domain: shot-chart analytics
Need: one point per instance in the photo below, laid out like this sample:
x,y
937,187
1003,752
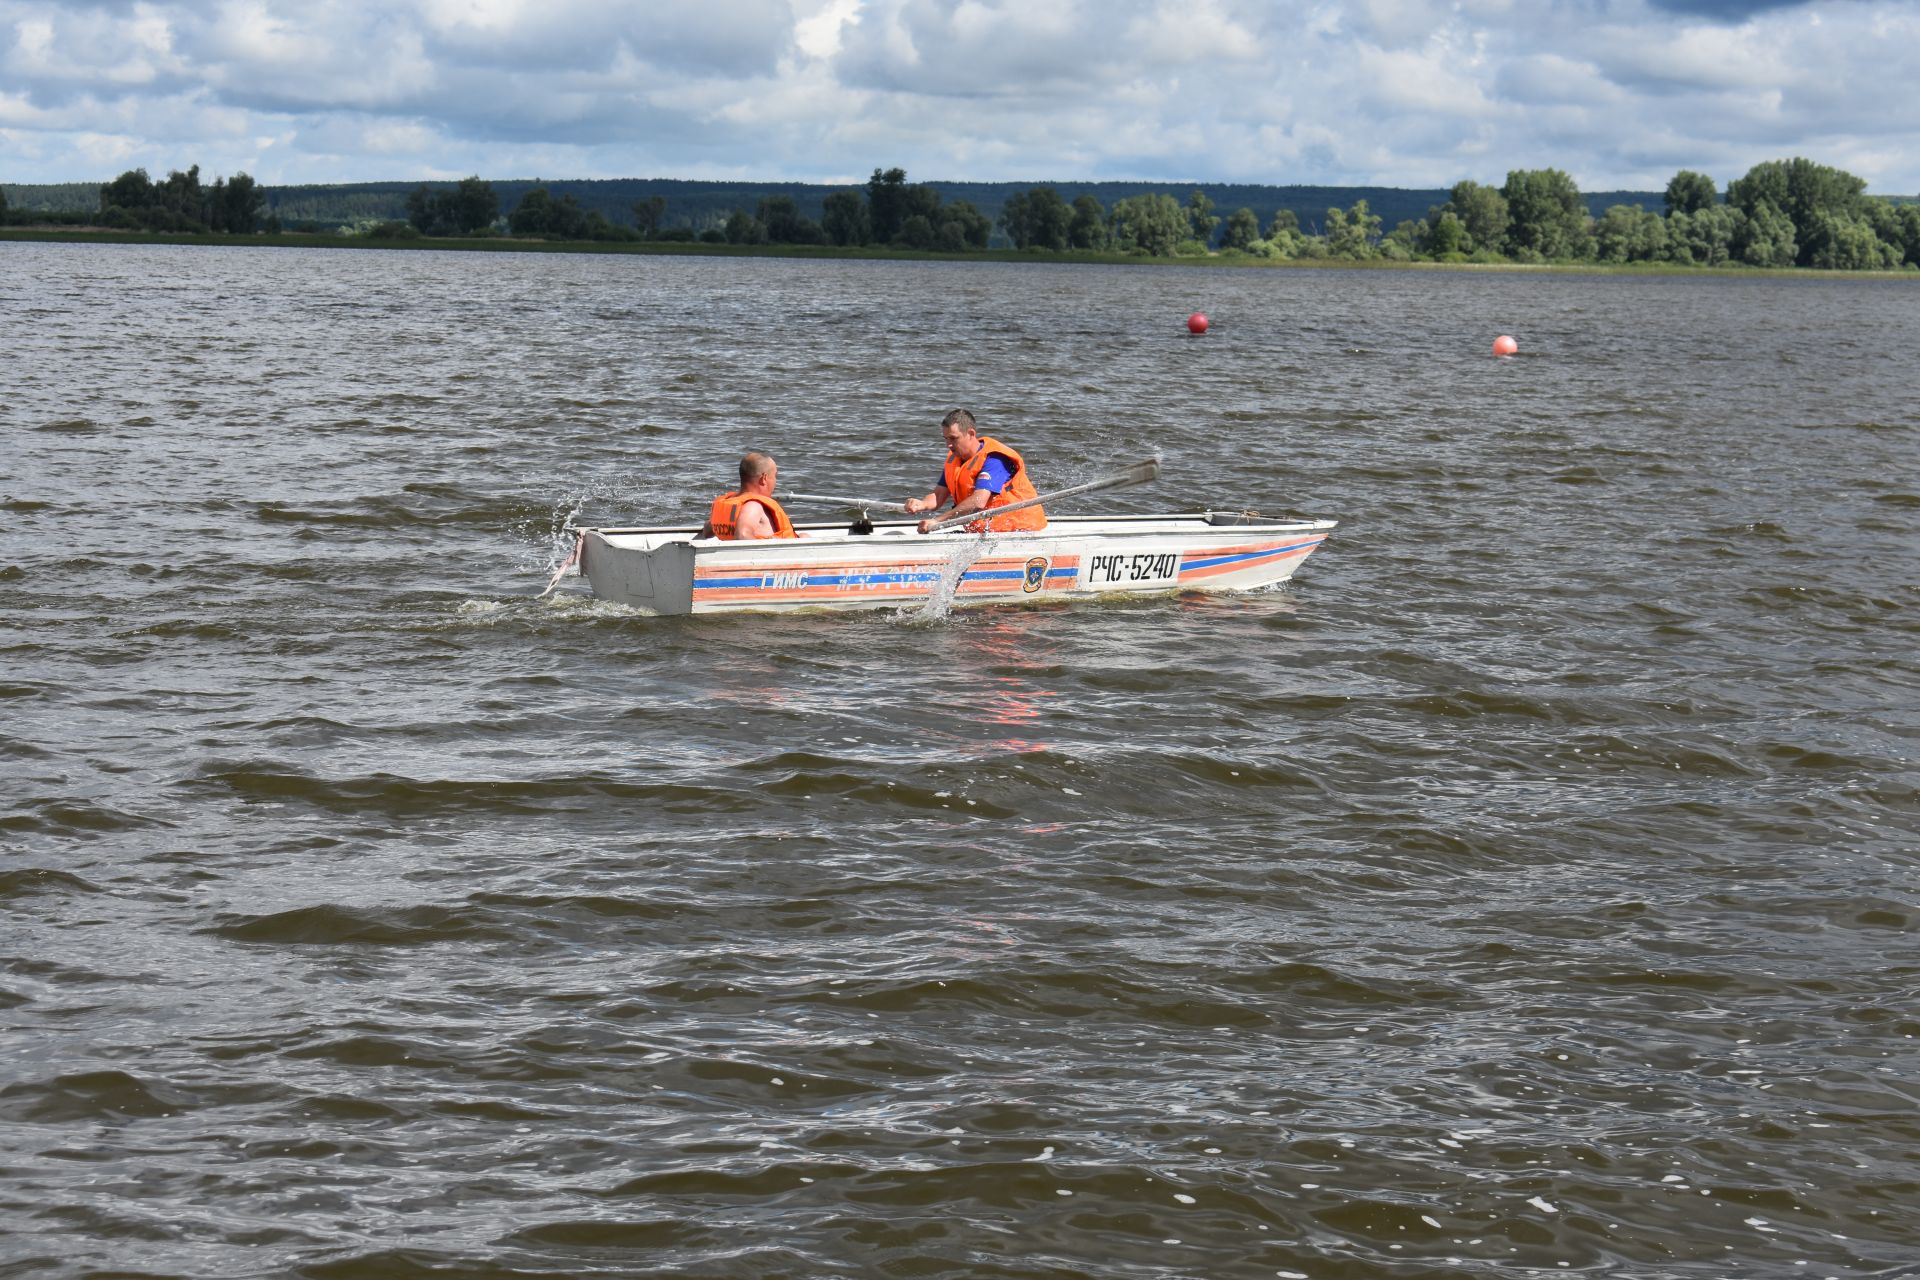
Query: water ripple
x,y
1527,888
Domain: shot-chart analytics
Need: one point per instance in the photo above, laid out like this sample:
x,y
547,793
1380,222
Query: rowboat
x,y
890,564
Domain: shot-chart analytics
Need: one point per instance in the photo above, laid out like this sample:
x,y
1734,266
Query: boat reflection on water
x,y
1013,698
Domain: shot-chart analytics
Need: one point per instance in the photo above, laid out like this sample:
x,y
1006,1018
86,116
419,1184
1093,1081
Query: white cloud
x,y
1550,78
1697,57
1425,80
1620,93
818,33
1191,33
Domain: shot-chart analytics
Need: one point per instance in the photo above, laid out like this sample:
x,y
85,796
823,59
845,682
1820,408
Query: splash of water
x,y
960,557
550,541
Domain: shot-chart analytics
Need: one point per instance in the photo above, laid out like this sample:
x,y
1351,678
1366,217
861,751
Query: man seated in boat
x,y
749,511
981,474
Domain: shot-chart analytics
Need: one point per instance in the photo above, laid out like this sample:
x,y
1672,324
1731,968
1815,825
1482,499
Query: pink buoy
x,y
1197,322
1504,346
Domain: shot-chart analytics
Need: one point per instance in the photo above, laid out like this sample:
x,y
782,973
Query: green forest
x,y
1781,213
698,205
134,202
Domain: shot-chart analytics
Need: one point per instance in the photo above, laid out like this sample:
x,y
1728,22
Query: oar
x,y
864,504
1139,473
571,562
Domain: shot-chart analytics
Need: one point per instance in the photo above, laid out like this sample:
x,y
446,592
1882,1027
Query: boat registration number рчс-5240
x,y
1131,571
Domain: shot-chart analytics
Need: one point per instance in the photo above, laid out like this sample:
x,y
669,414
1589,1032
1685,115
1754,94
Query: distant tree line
x,y
69,212
886,212
472,208
14,214
1783,213
135,202
688,208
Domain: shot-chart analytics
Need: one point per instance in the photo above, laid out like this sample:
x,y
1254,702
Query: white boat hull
x,y
670,572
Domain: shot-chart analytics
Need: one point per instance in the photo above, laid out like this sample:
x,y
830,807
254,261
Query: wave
x,y
65,816
397,795
24,881
444,507
90,1096
333,925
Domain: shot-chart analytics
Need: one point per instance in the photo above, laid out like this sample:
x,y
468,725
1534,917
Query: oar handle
x,y
996,512
864,504
1139,473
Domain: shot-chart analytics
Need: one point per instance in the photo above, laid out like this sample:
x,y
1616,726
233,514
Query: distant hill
x,y
704,204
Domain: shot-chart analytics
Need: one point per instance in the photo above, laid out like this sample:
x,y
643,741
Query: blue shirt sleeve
x,y
994,475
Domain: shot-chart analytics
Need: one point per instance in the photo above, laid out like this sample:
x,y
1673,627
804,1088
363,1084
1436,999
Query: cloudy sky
x,y
1413,93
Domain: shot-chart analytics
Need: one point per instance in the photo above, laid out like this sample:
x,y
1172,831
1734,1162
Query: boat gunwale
x,y
1176,524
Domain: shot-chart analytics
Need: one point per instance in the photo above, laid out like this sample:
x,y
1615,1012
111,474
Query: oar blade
x,y
1142,472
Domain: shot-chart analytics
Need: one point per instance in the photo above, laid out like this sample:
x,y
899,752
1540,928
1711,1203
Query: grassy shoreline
x,y
1073,257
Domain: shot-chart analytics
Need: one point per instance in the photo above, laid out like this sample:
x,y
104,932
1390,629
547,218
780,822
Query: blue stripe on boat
x,y
758,580
1239,557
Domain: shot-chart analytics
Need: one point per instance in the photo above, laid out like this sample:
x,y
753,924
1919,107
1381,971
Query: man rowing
x,y
749,511
981,474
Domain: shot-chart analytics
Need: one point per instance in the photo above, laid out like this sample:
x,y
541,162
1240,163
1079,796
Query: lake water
x,y
1529,888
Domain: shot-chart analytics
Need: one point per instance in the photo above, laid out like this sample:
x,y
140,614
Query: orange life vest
x,y
725,517
960,480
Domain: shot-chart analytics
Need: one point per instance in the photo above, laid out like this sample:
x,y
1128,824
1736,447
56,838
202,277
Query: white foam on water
x,y
481,612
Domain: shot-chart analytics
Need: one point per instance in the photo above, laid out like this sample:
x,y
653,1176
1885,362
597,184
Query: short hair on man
x,y
960,416
753,466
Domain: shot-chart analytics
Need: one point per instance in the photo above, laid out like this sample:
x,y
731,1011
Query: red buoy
x,y
1197,323
1504,346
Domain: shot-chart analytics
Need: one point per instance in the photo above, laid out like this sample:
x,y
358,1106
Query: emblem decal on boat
x,y
1036,574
